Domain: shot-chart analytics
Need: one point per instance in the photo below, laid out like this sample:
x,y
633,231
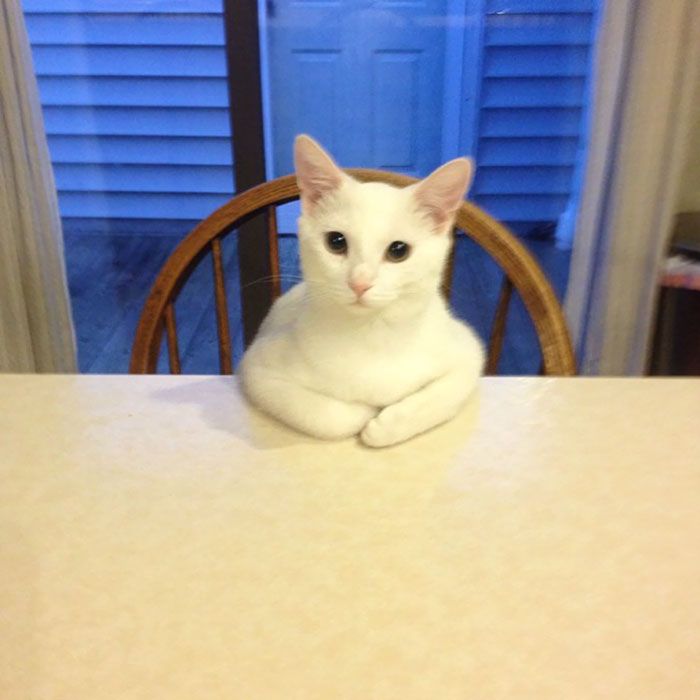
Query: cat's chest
x,y
374,369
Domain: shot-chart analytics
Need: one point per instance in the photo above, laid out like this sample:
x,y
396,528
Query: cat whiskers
x,y
273,278
319,289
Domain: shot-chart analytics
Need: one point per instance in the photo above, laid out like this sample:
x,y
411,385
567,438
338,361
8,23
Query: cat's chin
x,y
361,307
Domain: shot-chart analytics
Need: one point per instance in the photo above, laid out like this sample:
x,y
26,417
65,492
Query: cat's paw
x,y
341,420
385,429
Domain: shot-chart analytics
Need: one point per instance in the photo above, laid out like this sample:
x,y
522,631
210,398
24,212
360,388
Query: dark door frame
x,y
241,24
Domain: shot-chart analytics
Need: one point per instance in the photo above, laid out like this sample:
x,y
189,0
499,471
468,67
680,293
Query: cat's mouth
x,y
360,304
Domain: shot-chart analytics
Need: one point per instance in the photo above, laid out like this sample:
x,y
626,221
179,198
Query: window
x,y
135,98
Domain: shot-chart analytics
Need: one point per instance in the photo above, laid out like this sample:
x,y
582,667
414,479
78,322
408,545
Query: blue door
x,y
366,78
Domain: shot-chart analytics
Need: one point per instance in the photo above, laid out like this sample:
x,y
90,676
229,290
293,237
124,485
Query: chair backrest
x,y
521,272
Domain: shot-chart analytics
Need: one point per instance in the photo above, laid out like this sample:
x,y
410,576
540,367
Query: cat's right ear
x,y
316,172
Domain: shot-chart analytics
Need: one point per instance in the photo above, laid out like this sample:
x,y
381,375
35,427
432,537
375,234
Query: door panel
x,y
364,78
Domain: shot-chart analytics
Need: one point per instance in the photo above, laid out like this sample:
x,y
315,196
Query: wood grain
x,y
171,332
222,321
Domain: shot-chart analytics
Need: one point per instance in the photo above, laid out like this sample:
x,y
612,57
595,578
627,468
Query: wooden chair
x,y
521,272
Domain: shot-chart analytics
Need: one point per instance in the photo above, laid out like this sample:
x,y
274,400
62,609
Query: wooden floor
x,y
110,276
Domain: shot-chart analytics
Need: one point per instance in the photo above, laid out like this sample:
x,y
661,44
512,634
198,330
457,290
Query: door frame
x,y
266,87
241,26
472,40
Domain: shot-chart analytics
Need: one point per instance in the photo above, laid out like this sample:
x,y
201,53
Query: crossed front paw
x,y
386,428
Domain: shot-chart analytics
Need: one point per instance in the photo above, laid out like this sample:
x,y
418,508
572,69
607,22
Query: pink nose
x,y
359,287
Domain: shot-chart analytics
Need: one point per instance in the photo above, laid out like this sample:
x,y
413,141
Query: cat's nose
x,y
359,287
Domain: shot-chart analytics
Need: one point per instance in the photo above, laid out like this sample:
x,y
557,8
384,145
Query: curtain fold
x,y
36,328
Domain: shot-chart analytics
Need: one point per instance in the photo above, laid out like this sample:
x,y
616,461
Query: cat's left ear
x,y
317,173
442,192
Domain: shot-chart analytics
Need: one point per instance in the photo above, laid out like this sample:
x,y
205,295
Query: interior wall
x,y
649,68
689,196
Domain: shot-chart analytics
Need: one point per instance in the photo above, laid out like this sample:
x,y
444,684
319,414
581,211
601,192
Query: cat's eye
x,y
336,242
397,251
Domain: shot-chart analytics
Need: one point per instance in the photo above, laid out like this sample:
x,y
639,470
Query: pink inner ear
x,y
316,172
437,211
316,186
442,192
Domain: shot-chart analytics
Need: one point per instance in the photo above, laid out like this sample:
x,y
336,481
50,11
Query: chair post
x,y
222,323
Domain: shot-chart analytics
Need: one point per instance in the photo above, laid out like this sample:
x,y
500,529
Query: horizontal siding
x,y
536,62
68,120
125,29
140,149
516,180
534,208
532,99
538,30
86,177
516,122
532,92
528,151
136,61
135,105
127,205
539,6
135,92
111,6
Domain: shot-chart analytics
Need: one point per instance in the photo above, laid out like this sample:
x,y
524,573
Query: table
x,y
159,539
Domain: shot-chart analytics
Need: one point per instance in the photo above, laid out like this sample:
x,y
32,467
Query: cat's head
x,y
366,246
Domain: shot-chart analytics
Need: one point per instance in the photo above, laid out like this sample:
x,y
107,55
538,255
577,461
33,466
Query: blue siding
x,y
110,6
138,61
77,177
140,149
136,107
558,29
127,28
515,180
137,205
532,92
527,152
525,208
511,122
132,91
135,104
531,95
536,61
541,6
123,120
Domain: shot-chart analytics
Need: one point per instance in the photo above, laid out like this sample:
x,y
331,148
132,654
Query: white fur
x,y
393,364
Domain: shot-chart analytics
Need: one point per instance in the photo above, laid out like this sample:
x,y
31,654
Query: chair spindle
x,y
223,329
171,334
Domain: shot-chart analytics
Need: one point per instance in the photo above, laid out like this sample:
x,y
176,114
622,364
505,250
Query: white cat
x,y
366,344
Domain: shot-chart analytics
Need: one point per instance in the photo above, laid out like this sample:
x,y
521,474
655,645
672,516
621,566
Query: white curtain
x,y
36,329
647,68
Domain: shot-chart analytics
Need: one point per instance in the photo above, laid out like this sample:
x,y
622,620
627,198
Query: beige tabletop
x,y
158,539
